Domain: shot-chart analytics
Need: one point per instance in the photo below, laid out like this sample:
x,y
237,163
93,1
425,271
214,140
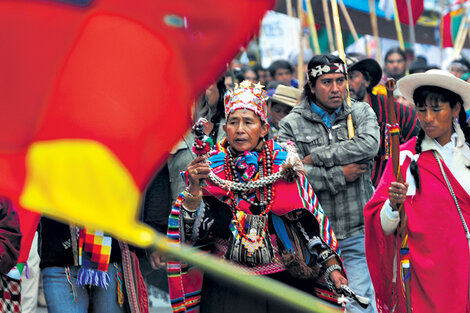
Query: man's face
x,y
395,66
357,85
330,91
283,76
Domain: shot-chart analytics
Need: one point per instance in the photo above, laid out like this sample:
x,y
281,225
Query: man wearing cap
x,y
364,74
280,104
339,168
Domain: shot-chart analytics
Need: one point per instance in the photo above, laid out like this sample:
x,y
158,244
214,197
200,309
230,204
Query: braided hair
x,y
436,94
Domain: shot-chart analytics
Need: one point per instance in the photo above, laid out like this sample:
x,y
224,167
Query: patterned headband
x,y
332,68
247,96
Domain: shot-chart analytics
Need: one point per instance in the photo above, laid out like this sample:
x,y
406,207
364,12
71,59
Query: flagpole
x,y
326,14
412,25
375,30
441,30
313,29
348,20
339,44
300,60
398,26
461,35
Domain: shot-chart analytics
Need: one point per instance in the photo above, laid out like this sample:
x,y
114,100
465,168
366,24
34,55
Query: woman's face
x,y
436,119
244,130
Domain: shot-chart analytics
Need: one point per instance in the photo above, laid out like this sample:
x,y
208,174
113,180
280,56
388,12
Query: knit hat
x,y
247,96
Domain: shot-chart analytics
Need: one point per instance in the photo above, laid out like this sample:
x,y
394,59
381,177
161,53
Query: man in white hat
x,y
280,104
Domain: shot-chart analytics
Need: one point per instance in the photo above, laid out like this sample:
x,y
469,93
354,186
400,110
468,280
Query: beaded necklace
x,y
268,192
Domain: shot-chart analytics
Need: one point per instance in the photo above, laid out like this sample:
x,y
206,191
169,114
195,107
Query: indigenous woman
x,y
435,195
256,210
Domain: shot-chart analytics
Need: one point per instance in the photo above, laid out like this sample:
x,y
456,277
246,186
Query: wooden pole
x,y
289,8
441,31
412,25
329,32
339,44
461,35
300,62
398,26
348,20
313,29
375,30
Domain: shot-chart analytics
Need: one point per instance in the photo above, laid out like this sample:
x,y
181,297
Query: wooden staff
x,y
461,35
441,31
412,25
394,144
348,20
313,29
375,30
398,25
329,32
300,61
339,44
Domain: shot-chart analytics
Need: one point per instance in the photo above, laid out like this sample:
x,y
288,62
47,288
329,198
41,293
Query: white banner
x,y
279,37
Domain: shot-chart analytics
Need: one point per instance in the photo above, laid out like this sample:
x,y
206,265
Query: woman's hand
x,y
338,279
397,194
198,169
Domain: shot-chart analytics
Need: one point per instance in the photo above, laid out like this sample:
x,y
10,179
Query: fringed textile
x,y
119,286
94,253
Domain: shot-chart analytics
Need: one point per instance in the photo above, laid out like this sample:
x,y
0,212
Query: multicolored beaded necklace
x,y
269,193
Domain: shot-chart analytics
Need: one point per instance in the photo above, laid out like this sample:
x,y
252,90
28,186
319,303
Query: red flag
x,y
94,97
417,8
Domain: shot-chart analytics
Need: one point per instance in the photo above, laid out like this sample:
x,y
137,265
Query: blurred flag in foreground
x,y
95,93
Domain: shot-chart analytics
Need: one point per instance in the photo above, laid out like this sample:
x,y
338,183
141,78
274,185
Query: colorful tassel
x,y
119,291
88,276
69,279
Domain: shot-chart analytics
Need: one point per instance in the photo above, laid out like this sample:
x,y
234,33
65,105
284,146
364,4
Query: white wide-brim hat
x,y
439,78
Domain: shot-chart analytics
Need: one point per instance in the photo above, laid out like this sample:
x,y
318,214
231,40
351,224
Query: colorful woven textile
x,y
94,252
185,283
10,295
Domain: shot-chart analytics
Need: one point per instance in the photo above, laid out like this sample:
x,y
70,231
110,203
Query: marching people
x,y
338,168
251,204
435,196
364,74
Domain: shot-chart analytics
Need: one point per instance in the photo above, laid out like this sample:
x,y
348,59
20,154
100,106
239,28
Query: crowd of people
x,y
299,186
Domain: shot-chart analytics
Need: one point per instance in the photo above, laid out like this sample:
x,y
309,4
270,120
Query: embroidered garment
x,y
185,282
438,249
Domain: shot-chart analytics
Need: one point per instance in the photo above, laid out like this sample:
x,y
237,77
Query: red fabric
x,y
109,72
417,7
439,252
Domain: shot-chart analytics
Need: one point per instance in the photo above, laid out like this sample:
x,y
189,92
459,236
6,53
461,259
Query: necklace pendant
x,y
253,243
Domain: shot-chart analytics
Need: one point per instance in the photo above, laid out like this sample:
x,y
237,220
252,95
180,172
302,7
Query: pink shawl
x,y
439,251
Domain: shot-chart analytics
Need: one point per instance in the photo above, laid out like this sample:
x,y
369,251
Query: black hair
x,y
367,77
280,64
395,50
220,108
435,94
321,59
250,68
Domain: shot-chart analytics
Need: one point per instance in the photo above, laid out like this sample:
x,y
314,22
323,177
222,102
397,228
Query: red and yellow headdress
x,y
247,96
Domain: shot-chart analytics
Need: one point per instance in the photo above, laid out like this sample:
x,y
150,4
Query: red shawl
x,y
439,251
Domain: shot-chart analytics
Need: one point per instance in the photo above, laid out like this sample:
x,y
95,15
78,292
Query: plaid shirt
x,y
331,149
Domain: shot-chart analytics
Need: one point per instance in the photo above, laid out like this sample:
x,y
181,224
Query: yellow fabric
x,y
84,183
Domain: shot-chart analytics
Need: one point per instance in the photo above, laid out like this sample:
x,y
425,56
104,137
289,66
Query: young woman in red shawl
x,y
436,170
275,226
